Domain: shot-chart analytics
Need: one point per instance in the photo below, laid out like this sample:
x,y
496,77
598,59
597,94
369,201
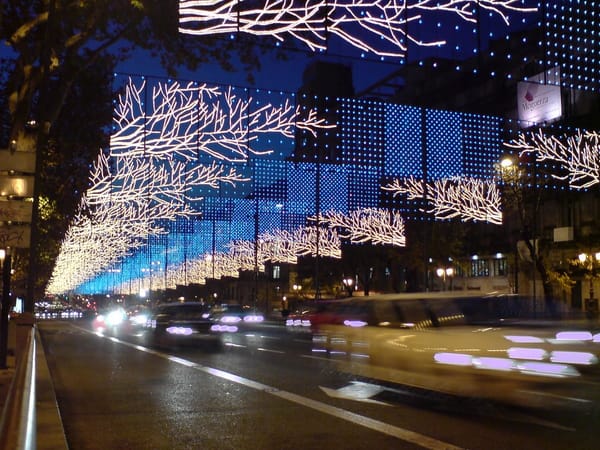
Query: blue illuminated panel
x,y
334,188
403,141
362,132
444,144
482,144
363,187
301,188
243,219
573,42
270,179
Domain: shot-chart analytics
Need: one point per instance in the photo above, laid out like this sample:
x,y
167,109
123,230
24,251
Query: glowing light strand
x,y
374,225
468,199
185,121
579,155
376,26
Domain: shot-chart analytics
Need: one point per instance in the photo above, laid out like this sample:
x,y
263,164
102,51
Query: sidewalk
x,y
49,428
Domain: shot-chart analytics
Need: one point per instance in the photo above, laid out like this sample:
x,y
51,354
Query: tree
x,y
56,44
523,199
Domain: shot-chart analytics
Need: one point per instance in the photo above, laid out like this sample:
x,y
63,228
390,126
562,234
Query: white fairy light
x,y
377,26
578,155
313,241
185,121
466,198
374,225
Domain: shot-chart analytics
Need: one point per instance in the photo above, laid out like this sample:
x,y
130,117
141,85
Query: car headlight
x,y
114,318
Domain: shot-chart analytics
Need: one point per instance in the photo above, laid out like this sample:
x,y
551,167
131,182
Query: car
x,y
180,324
110,319
474,346
308,317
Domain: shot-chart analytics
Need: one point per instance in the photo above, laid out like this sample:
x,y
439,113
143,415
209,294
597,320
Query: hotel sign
x,y
539,99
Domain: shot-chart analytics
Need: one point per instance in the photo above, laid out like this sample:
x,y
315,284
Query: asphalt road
x,y
266,389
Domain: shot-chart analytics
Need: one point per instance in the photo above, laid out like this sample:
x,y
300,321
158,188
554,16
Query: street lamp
x,y
349,284
587,261
443,273
297,288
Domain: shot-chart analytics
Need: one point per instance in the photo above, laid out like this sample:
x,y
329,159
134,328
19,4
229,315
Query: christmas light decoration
x,y
469,199
381,27
374,225
152,173
195,119
578,155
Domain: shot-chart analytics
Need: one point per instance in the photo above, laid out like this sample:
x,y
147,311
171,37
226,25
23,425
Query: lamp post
x,y
510,176
443,273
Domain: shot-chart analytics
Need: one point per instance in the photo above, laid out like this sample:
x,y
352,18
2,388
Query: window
x,y
499,267
276,272
480,268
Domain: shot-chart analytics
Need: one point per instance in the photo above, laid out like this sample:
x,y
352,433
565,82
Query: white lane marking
x,y
358,391
376,425
231,344
261,349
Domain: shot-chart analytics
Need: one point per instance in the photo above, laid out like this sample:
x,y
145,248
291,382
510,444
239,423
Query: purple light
x,y
574,336
355,323
230,319
524,339
582,358
489,363
537,354
548,369
183,331
224,328
254,318
455,359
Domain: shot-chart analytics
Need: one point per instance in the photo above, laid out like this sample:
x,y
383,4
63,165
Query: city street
x,y
266,389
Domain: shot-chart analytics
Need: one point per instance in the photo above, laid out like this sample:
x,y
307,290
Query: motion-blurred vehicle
x,y
110,319
464,345
138,315
308,317
230,317
175,324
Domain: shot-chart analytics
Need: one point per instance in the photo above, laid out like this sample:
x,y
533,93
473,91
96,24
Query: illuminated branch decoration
x,y
329,244
469,199
376,26
185,121
378,226
274,245
152,170
579,155
166,186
